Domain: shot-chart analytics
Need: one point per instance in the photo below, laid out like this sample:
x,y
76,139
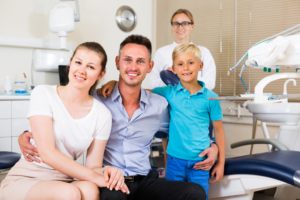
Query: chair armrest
x,y
273,142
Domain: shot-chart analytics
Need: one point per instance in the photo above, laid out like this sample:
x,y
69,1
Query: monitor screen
x,y
63,74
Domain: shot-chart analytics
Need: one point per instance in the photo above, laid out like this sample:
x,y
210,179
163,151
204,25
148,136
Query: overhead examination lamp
x,y
62,21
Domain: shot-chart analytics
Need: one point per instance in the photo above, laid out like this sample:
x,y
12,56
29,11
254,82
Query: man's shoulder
x,y
159,100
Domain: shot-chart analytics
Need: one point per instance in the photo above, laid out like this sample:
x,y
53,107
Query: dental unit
x,y
247,174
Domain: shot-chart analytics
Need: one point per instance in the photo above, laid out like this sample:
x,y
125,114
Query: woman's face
x,y
182,32
85,69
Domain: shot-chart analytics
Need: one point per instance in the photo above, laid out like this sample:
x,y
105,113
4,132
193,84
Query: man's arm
x,y
27,148
211,153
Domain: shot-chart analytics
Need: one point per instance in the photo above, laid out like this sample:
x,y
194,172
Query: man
x,y
137,116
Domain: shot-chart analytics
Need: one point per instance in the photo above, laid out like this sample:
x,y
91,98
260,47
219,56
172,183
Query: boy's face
x,y
187,67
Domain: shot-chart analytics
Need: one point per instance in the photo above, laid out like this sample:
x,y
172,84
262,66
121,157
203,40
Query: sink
x,y
288,113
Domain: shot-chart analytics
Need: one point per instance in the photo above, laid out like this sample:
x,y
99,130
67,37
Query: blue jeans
x,y
182,170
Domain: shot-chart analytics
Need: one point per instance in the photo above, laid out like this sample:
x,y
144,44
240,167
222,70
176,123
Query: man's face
x,y
134,64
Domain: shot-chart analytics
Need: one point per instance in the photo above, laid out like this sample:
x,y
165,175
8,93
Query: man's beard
x,y
130,84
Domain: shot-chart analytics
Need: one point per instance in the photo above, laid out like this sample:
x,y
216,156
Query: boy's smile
x,y
187,67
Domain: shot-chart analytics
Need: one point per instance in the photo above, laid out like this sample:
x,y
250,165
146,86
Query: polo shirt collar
x,y
202,91
116,95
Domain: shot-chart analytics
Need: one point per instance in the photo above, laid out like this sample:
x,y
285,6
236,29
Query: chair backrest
x,y
168,78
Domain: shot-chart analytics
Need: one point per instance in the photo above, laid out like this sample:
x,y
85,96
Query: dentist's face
x,y
181,32
85,69
134,64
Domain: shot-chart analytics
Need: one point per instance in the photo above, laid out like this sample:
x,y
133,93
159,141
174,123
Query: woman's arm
x,y
106,89
94,160
42,130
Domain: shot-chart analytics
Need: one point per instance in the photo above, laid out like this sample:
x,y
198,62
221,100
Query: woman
x,y
65,122
182,22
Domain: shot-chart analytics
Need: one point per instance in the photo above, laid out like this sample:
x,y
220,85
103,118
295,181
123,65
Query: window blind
x,y
215,29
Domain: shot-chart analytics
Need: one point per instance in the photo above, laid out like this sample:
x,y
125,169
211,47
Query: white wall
x,y
19,18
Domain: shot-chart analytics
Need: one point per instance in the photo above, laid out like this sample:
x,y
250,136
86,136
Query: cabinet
x,y
13,122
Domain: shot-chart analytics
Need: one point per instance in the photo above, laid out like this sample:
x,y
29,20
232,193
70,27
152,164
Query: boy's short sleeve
x,y
164,91
215,110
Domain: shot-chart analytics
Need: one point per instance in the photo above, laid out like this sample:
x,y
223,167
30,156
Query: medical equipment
x,y
247,174
283,51
62,21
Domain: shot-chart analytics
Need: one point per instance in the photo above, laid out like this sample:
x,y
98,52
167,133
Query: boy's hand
x,y
106,89
218,171
211,153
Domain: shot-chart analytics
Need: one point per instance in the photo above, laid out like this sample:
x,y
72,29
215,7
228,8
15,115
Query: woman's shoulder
x,y
43,89
99,106
163,49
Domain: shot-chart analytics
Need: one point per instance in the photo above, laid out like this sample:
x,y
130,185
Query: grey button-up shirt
x,y
128,146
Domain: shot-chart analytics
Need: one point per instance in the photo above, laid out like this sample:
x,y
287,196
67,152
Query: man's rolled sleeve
x,y
164,125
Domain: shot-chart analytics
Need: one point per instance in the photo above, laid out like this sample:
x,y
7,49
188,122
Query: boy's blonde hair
x,y
186,48
183,11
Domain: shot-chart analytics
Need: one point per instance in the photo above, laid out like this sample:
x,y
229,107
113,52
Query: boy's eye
x,y
191,63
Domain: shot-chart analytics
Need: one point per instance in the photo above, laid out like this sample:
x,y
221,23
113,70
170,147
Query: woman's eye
x,y
91,67
77,62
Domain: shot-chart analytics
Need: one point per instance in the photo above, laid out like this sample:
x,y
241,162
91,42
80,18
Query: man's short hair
x,y
186,48
137,39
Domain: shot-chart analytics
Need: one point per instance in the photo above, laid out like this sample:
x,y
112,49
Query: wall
x,y
97,24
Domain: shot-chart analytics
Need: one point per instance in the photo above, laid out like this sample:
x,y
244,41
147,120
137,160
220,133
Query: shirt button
x,y
125,156
125,139
188,97
184,90
128,125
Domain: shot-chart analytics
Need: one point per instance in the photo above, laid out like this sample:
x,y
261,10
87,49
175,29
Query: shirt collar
x,y
116,94
175,44
202,91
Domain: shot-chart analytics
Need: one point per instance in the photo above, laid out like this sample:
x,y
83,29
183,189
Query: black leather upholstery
x,y
8,159
280,165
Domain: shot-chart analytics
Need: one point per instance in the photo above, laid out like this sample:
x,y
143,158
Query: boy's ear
x,y
173,68
201,66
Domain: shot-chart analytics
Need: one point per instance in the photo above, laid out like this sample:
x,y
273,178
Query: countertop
x,y
14,96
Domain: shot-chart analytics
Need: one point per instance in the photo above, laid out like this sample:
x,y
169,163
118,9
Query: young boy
x,y
190,115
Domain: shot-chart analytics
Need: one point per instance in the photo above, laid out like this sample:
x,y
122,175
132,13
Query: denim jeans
x,y
182,170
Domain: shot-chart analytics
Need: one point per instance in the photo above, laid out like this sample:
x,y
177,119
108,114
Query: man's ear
x,y
201,66
151,64
117,61
101,74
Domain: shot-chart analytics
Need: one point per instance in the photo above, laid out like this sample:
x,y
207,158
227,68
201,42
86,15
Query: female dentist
x,y
182,22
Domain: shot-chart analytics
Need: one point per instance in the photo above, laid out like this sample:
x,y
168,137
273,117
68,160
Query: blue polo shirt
x,y
190,115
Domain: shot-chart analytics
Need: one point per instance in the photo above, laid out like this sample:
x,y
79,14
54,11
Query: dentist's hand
x,y
212,153
27,148
107,89
115,179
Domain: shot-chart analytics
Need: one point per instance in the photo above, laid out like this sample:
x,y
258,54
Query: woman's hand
x,y
107,89
218,171
115,179
28,150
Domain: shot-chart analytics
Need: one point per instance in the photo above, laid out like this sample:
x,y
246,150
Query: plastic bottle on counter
x,y
7,85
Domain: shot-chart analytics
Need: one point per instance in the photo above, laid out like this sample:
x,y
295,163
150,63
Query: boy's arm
x,y
220,140
165,145
106,89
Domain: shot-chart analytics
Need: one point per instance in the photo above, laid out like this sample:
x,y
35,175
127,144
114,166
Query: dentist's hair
x,y
183,11
137,39
97,48
186,48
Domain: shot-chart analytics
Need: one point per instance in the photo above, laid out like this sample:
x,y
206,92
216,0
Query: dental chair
x,y
7,161
247,174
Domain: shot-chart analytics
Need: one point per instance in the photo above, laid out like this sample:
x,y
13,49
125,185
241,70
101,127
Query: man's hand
x,y
212,153
27,148
218,171
170,69
106,89
115,179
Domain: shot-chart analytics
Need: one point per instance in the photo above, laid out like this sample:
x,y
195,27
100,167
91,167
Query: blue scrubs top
x,y
190,115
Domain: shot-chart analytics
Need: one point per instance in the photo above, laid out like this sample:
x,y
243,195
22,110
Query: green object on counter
x,y
265,69
277,70
269,70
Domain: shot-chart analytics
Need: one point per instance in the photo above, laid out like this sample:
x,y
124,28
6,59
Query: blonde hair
x,y
186,48
184,11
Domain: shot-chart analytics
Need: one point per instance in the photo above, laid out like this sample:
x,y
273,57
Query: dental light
x,y
270,53
62,21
